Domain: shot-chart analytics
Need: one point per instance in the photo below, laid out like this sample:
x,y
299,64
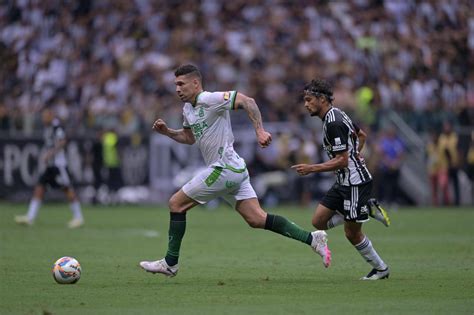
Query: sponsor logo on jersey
x,y
226,96
198,129
339,147
337,141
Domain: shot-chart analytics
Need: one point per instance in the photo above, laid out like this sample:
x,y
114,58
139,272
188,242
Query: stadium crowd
x,y
109,64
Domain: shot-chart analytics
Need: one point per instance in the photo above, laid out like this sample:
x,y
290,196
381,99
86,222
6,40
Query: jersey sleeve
x,y
221,101
185,122
337,133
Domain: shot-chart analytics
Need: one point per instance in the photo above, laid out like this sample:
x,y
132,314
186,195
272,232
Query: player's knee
x,y
256,221
318,223
175,206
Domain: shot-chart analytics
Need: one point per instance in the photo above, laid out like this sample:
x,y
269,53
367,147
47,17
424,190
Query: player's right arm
x,y
184,135
337,135
340,161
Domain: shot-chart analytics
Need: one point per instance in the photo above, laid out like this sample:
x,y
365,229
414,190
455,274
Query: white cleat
x,y
320,246
375,274
160,266
23,220
75,223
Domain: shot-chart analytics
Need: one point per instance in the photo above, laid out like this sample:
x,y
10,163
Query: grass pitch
x,y
228,268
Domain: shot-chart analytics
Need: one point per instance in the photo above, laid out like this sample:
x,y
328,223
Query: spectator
x,y
470,166
448,142
391,150
111,160
437,170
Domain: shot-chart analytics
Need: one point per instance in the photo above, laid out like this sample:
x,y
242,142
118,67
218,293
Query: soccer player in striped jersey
x,y
56,174
206,122
348,201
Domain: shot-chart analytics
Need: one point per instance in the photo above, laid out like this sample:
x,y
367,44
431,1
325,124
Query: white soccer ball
x,y
67,270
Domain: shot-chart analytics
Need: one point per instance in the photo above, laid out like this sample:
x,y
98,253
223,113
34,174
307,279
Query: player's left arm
x,y
242,101
341,160
362,137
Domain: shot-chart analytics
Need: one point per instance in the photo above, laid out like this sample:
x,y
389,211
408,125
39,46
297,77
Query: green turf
x,y
228,268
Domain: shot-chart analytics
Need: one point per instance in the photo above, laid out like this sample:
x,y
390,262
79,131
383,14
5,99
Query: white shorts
x,y
214,182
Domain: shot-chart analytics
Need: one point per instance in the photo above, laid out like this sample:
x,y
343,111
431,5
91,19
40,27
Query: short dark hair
x,y
188,69
319,87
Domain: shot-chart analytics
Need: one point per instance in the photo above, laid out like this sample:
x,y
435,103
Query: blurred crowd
x,y
109,64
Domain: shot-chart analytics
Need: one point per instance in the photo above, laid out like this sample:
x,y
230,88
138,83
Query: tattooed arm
x,y
248,104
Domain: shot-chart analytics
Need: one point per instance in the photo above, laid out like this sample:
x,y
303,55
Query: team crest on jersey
x,y
226,95
201,112
229,184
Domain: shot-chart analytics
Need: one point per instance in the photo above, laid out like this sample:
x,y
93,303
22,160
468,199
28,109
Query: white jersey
x,y
209,120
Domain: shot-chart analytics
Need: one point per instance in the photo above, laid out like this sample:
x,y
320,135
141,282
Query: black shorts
x,y
350,201
55,177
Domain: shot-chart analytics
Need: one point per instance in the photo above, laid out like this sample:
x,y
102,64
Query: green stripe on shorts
x,y
212,178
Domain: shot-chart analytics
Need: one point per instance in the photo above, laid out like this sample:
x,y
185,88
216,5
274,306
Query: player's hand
x,y
160,126
264,138
359,157
302,169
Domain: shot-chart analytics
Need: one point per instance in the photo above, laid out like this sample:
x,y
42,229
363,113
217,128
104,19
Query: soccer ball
x,y
67,270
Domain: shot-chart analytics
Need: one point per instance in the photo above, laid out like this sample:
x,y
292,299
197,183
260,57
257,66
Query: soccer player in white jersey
x,y
206,122
348,201
55,175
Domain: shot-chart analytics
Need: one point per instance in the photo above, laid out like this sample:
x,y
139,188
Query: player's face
x,y
313,104
187,87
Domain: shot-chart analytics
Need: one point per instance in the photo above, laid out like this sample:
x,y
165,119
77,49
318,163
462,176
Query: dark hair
x,y
319,87
188,69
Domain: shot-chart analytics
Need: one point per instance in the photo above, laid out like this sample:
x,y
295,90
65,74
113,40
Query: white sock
x,y
368,252
335,220
76,209
33,209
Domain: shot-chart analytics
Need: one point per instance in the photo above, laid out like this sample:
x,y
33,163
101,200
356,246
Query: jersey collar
x,y
330,108
196,99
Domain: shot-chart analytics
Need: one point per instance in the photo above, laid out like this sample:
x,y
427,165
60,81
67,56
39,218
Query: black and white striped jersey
x,y
340,135
52,135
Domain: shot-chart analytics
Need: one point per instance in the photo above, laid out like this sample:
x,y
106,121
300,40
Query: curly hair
x,y
319,87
